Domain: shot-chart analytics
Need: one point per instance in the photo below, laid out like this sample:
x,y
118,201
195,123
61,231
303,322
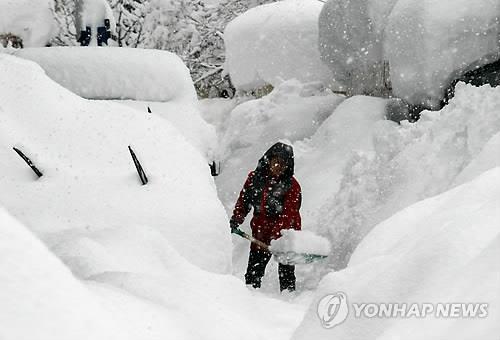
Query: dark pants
x,y
257,262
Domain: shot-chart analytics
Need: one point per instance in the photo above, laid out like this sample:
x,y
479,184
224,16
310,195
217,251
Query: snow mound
x,y
320,159
275,42
421,255
116,73
301,242
40,298
33,21
90,183
408,163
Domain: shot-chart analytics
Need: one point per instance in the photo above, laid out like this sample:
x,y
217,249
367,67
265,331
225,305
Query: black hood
x,y
281,150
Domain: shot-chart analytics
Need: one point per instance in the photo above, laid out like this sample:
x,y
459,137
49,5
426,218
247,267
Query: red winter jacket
x,y
264,227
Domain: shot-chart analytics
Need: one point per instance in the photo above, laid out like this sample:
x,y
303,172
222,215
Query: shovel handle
x,y
251,238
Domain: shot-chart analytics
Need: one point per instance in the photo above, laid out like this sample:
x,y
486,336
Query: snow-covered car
x,y
411,49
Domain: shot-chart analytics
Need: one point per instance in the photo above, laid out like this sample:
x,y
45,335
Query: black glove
x,y
234,226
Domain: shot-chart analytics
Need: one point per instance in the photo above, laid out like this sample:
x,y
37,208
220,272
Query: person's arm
x,y
243,204
292,205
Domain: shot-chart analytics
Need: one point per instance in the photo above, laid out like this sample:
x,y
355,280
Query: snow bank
x,y
275,42
33,21
301,242
90,184
320,159
40,298
409,162
116,73
421,255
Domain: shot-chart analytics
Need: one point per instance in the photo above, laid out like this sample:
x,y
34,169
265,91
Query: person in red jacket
x,y
275,196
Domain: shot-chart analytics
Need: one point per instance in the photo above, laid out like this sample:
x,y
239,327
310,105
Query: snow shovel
x,y
289,258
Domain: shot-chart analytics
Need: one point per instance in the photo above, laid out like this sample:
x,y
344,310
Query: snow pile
x,y
320,159
436,251
301,242
410,162
90,187
427,44
275,42
116,73
33,21
40,298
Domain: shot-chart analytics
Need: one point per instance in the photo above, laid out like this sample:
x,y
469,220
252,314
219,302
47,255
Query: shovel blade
x,y
292,258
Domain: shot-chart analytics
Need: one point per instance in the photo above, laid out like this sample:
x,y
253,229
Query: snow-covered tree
x,y
130,15
64,15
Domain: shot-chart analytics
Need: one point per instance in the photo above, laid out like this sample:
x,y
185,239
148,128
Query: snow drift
x,y
411,162
275,42
437,250
116,73
40,297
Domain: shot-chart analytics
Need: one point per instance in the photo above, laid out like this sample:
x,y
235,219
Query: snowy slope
x,y
33,21
411,162
40,297
275,42
90,184
186,116
443,249
116,73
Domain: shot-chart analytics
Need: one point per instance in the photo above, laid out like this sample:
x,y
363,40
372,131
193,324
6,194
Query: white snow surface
x,y
90,190
186,116
116,73
33,21
443,249
301,242
275,42
408,163
40,297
